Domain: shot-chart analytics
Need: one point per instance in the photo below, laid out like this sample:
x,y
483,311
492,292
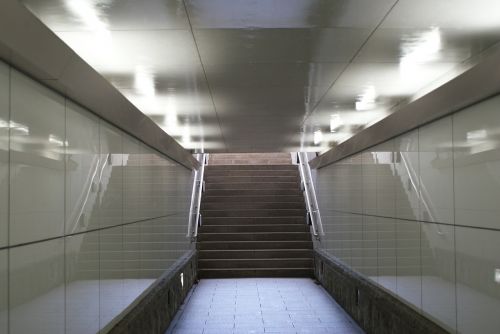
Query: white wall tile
x,y
436,172
406,183
478,281
3,291
438,273
110,211
37,161
4,153
36,279
82,169
476,143
82,283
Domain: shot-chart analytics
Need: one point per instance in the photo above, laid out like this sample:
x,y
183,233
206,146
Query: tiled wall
x,y
420,216
89,216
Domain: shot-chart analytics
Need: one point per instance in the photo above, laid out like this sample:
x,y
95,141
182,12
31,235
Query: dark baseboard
x,y
153,313
375,310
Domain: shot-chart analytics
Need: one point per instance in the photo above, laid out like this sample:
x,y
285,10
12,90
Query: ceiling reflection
x,y
273,75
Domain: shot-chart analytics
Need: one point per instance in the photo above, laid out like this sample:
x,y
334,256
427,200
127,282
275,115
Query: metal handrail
x,y
310,196
195,218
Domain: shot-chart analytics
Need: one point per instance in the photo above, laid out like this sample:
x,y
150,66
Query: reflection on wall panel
x,y
478,281
96,216
438,272
37,137
3,292
476,145
430,230
4,153
36,283
82,169
82,283
110,198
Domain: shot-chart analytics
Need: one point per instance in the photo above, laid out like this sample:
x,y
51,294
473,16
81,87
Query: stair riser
x,y
255,254
253,185
254,245
251,167
276,236
209,221
246,179
253,228
233,273
252,192
251,206
210,173
256,264
254,213
253,199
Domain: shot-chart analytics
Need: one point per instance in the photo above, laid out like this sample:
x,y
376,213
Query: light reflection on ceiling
x,y
273,75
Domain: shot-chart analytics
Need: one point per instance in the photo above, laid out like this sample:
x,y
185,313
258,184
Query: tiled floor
x,y
261,305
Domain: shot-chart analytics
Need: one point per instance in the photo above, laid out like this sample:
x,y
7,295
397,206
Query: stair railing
x,y
195,218
307,186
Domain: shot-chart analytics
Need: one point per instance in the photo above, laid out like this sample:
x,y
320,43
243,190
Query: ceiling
x,y
273,75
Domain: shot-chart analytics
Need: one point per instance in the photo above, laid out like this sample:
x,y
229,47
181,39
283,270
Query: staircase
x,y
253,223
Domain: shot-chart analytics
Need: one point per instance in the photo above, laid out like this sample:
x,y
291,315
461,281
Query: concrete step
x,y
251,167
236,172
238,273
252,192
250,179
253,185
209,221
259,199
251,205
255,253
254,213
257,236
254,228
255,263
253,245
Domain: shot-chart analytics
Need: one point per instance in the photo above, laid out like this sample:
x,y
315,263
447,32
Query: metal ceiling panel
x,y
241,14
92,15
229,46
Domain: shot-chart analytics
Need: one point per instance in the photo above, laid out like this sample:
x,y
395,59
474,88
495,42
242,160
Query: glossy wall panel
x,y
110,204
36,286
37,137
96,216
430,206
478,281
407,186
3,291
4,154
476,144
82,283
82,169
133,188
436,171
111,288
438,273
